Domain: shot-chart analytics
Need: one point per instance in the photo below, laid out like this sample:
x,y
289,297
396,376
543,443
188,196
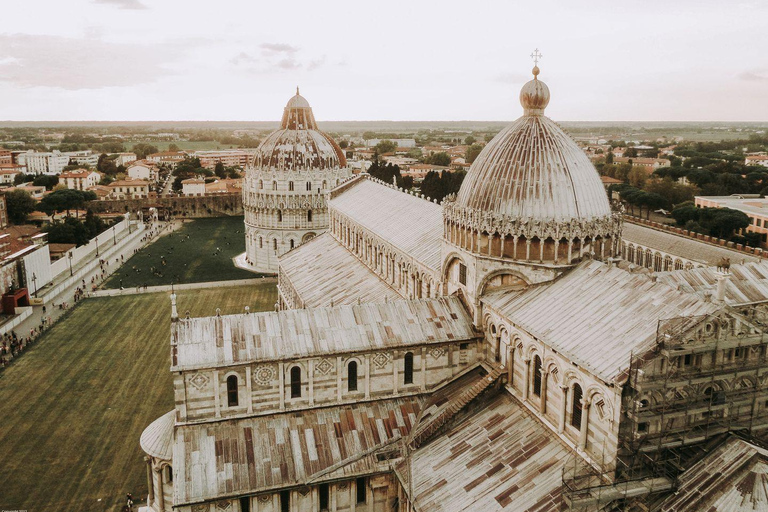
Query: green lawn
x,y
201,251
73,406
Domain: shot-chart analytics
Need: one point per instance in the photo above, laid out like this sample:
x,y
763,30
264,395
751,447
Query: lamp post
x,y
97,246
70,262
114,240
34,283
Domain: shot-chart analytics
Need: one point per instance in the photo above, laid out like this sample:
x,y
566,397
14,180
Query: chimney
x,y
722,278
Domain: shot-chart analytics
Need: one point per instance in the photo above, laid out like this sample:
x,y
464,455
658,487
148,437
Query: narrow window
x,y
274,244
324,497
687,360
462,273
232,391
576,407
325,184
408,376
309,215
290,186
261,184
352,376
274,185
169,474
285,501
291,243
261,242
279,215
537,376
361,489
295,382
245,504
309,185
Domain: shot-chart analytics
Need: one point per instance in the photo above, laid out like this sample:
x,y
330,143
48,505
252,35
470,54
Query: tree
x,y
469,140
609,157
343,144
70,231
46,180
441,158
22,178
472,152
106,164
142,150
438,185
65,200
173,147
19,205
637,176
385,146
630,153
219,170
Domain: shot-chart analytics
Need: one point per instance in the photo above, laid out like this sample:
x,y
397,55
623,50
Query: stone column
x,y
150,483
311,380
216,391
423,368
563,410
543,403
281,379
584,424
338,377
248,388
510,364
526,384
367,376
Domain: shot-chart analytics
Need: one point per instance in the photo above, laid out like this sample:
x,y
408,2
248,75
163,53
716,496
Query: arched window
x,y
352,376
408,375
537,376
309,185
274,185
576,407
169,474
309,215
295,382
261,184
274,244
232,391
290,186
291,243
261,242
279,215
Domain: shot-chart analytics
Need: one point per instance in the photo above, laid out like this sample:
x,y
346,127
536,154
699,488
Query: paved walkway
x,y
186,286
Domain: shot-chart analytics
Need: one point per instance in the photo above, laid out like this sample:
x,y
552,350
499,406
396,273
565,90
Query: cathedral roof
x,y
732,478
157,438
604,314
533,171
746,283
219,341
411,224
324,273
285,450
298,144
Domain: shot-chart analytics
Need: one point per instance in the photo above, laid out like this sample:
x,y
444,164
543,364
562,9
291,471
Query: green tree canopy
x,y
472,152
19,205
441,158
65,200
142,150
385,146
46,180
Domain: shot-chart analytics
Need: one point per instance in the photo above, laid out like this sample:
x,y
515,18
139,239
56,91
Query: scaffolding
x,y
665,428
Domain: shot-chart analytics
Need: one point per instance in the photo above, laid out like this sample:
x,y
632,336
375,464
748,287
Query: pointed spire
x,y
297,91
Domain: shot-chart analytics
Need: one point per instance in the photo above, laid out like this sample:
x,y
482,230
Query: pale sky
x,y
604,60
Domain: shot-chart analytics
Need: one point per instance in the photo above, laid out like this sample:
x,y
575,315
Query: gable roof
x,y
411,224
324,273
746,284
604,314
236,339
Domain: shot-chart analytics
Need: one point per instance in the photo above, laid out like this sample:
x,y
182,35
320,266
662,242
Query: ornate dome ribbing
x,y
298,144
533,181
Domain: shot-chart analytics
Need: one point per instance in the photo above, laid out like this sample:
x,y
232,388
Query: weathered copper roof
x,y
298,144
534,171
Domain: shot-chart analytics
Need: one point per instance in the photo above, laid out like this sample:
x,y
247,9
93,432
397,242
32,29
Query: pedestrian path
x,y
185,286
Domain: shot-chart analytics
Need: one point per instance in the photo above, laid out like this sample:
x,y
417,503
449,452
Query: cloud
x,y
74,64
123,4
278,48
757,75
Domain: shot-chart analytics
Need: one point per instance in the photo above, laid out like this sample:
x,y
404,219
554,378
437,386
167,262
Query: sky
x,y
227,60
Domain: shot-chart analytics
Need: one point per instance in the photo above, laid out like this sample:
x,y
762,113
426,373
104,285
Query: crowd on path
x,y
13,345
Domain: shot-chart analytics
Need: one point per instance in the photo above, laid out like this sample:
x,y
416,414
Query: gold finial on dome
x,y
297,90
535,94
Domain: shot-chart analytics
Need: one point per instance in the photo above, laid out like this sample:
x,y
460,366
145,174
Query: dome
x,y
157,438
534,171
532,194
298,144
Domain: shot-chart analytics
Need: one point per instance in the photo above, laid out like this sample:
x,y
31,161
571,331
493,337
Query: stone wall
x,y
221,205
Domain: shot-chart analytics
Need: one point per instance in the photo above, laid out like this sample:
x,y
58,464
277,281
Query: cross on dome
x,y
536,55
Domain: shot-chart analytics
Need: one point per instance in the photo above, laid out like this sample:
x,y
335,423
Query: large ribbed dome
x,y
298,144
533,170
532,195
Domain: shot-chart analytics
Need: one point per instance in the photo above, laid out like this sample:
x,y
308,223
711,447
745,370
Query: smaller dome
x,y
157,438
297,101
534,96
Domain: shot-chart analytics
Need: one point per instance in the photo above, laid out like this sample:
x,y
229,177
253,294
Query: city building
x,y
753,205
128,189
756,160
125,158
85,157
400,143
286,187
228,157
224,186
193,187
649,164
167,158
143,170
80,179
6,157
43,163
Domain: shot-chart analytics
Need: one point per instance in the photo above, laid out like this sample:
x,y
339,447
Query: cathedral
x,y
493,352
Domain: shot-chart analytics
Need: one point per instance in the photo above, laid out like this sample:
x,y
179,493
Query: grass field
x,y
73,406
190,254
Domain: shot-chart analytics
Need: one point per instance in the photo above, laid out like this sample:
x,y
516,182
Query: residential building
x,y
224,186
753,205
228,157
143,170
86,157
128,189
43,163
125,158
168,158
193,187
756,160
649,164
80,179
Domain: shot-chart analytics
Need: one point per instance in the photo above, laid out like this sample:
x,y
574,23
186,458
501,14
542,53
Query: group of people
x,y
12,344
